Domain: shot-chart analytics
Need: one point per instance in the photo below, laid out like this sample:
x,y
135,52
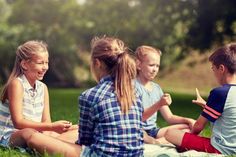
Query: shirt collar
x,y
106,78
27,84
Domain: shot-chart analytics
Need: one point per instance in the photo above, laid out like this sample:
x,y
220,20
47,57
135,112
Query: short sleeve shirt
x,y
148,99
221,111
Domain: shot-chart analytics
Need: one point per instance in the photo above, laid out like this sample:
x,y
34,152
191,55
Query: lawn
x,y
64,105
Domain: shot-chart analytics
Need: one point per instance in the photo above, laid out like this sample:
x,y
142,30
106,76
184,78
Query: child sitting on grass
x,y
25,119
220,110
153,98
110,122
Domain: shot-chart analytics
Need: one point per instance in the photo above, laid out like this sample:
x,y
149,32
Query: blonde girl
x,y
111,112
24,113
153,98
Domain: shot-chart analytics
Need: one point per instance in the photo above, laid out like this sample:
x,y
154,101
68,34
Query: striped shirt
x,y
104,129
32,106
221,111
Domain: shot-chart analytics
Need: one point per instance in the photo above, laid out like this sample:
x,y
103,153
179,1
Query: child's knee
x,y
32,138
27,133
169,133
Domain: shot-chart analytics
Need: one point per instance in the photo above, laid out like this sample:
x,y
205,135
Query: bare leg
x,y
51,133
43,143
20,137
69,136
174,136
162,132
148,139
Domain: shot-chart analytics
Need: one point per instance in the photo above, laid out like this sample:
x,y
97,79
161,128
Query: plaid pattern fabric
x,y
104,128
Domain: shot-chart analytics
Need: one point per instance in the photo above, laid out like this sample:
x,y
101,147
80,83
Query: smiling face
x,y
148,66
36,67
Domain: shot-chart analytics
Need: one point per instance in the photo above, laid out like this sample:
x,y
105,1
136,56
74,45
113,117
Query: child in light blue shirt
x,y
153,98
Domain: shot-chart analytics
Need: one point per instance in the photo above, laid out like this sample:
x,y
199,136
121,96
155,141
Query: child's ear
x,y
222,68
138,62
100,65
97,63
23,65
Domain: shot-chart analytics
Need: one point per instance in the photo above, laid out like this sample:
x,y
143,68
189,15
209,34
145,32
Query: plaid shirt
x,y
104,128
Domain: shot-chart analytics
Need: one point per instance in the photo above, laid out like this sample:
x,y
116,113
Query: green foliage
x,y
40,20
215,23
175,27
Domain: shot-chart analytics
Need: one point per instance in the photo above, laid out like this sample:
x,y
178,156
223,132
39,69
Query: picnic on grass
x,y
118,115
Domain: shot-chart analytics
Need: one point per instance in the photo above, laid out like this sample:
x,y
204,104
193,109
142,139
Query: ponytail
x,y
113,53
125,72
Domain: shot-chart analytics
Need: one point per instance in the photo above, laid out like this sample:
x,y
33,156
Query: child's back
x,y
111,112
111,131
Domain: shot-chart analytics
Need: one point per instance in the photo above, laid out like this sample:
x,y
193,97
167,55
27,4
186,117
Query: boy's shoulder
x,y
222,90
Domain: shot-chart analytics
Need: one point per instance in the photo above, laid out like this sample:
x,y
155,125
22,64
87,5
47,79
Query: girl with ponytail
x,y
111,112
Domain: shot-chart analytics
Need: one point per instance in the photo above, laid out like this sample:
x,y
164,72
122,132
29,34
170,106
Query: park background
x,y
186,31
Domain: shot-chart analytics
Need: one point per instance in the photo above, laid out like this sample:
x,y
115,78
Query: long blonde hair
x,y
24,52
113,53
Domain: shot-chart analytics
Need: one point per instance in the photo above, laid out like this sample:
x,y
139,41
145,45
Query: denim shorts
x,y
153,132
5,141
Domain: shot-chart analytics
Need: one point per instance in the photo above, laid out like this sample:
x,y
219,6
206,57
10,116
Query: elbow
x,y
144,118
170,120
17,124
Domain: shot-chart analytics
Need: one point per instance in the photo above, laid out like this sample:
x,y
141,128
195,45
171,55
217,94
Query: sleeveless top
x,y
32,107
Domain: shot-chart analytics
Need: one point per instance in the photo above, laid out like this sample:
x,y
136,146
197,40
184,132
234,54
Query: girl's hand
x,y
165,99
61,126
199,101
73,127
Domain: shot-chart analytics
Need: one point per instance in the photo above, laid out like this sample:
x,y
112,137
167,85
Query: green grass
x,y
64,105
182,105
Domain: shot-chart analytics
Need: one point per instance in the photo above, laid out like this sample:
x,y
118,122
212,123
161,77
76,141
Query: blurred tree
x,y
215,24
162,23
49,20
68,26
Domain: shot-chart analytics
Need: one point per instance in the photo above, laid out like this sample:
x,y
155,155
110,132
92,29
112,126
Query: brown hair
x,y
226,56
24,52
113,53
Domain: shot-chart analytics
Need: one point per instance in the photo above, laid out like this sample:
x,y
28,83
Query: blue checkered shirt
x,y
103,128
